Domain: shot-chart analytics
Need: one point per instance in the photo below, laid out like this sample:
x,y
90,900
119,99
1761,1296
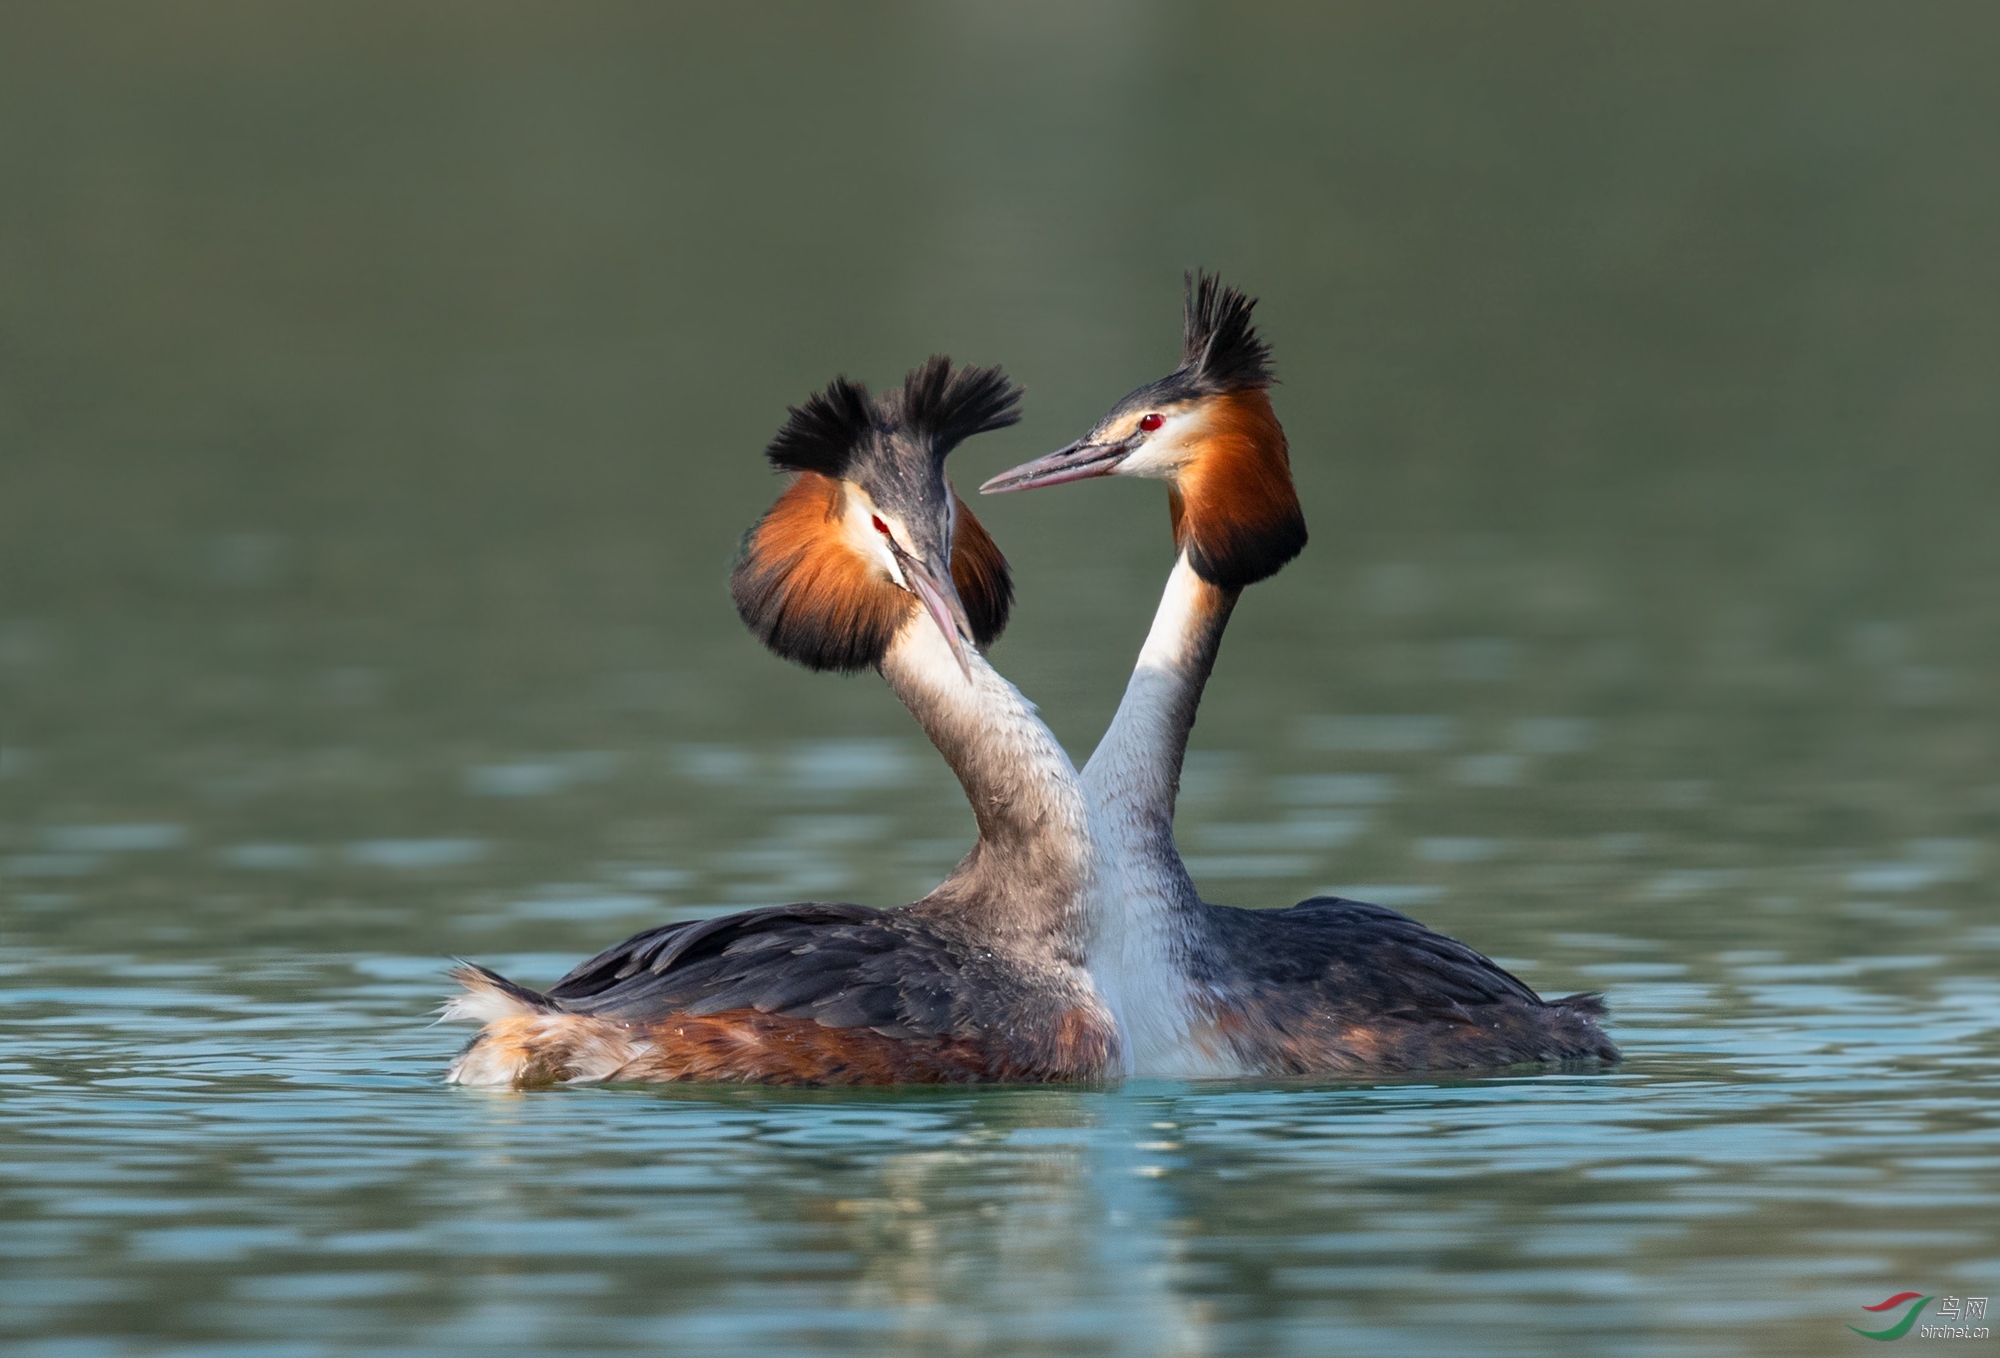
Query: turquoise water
x,y
260,1159
380,400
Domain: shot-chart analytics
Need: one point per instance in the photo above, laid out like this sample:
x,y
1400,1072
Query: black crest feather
x,y
947,405
1220,348
823,434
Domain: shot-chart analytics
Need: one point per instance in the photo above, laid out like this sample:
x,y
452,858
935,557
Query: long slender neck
x,y
1025,882
1134,776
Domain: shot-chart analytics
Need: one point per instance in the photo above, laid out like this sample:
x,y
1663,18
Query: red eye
x,y
880,526
1152,422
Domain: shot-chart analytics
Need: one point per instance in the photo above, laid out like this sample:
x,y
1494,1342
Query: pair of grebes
x,y
1070,944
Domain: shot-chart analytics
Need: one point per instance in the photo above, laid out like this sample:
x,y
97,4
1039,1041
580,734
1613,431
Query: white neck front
x,y
1146,914
1135,772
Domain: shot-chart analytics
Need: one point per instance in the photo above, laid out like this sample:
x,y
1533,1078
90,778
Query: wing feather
x,y
844,966
1363,954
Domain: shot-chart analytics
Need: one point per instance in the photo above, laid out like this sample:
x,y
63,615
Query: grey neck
x,y
1023,886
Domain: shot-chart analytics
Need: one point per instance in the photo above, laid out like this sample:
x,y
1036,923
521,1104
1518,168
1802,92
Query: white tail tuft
x,y
526,1039
485,999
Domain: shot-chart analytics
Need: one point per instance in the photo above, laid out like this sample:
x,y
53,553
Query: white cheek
x,y
1163,453
861,533
876,550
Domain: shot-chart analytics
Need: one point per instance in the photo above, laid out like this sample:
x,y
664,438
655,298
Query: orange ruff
x,y
979,572
811,596
1233,504
827,586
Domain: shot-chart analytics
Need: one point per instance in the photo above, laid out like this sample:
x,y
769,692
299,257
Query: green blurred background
x,y
389,380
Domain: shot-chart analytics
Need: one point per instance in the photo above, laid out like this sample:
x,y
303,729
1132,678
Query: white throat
x,y
1146,916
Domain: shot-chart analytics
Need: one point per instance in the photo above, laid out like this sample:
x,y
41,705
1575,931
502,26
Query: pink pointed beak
x,y
941,600
1078,462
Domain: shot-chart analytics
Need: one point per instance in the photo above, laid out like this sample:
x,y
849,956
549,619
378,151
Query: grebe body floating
x,y
867,561
1328,985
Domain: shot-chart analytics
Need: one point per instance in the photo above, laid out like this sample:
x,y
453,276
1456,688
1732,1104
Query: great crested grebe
x,y
868,560
1328,985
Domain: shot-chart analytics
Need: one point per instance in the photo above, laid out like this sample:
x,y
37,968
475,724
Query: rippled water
x,y
380,399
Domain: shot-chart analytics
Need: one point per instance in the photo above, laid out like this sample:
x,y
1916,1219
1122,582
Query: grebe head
x,y
870,533
1208,430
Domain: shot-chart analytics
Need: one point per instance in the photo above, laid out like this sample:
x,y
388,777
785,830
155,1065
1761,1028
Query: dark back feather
x,y
844,966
